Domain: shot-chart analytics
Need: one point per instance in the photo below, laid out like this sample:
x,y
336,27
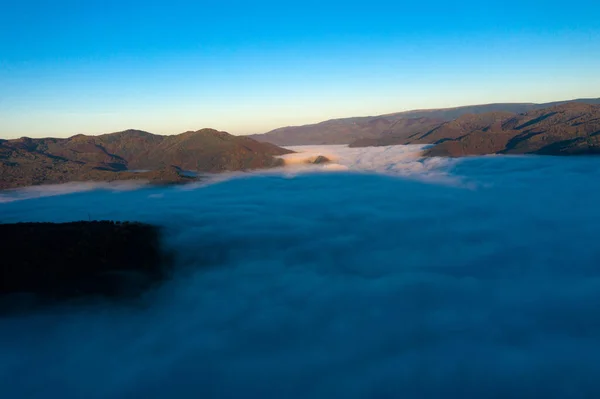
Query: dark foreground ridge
x,y
68,260
130,155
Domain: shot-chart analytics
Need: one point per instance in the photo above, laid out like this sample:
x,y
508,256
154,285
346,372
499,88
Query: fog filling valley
x,y
381,275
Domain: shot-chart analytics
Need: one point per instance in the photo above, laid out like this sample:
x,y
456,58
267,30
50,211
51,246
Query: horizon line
x,y
315,123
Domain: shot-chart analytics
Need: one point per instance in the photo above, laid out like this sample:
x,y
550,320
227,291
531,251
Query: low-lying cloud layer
x,y
338,285
400,160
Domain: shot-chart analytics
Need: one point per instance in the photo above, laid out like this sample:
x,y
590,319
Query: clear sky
x,y
91,66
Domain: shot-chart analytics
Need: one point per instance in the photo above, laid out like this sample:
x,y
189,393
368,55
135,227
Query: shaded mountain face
x,y
457,128
117,156
391,128
568,129
341,131
400,132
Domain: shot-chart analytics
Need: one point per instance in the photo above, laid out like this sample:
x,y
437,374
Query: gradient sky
x,y
90,66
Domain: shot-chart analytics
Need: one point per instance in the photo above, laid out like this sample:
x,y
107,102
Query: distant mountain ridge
x,y
559,128
566,129
119,156
349,130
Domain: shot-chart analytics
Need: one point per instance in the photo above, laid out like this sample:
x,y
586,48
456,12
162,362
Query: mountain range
x,y
567,129
130,154
401,124
560,128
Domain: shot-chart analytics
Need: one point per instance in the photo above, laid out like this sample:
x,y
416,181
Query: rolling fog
x,y
384,275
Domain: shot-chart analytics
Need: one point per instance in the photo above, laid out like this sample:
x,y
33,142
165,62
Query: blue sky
x,y
70,67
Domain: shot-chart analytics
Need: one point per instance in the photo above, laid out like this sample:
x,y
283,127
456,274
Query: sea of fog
x,y
382,275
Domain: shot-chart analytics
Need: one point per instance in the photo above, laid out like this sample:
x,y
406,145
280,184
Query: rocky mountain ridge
x,y
131,154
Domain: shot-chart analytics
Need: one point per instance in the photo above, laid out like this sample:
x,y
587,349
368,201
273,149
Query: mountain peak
x,y
111,156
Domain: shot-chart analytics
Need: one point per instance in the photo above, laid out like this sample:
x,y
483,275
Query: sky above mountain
x,y
70,66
